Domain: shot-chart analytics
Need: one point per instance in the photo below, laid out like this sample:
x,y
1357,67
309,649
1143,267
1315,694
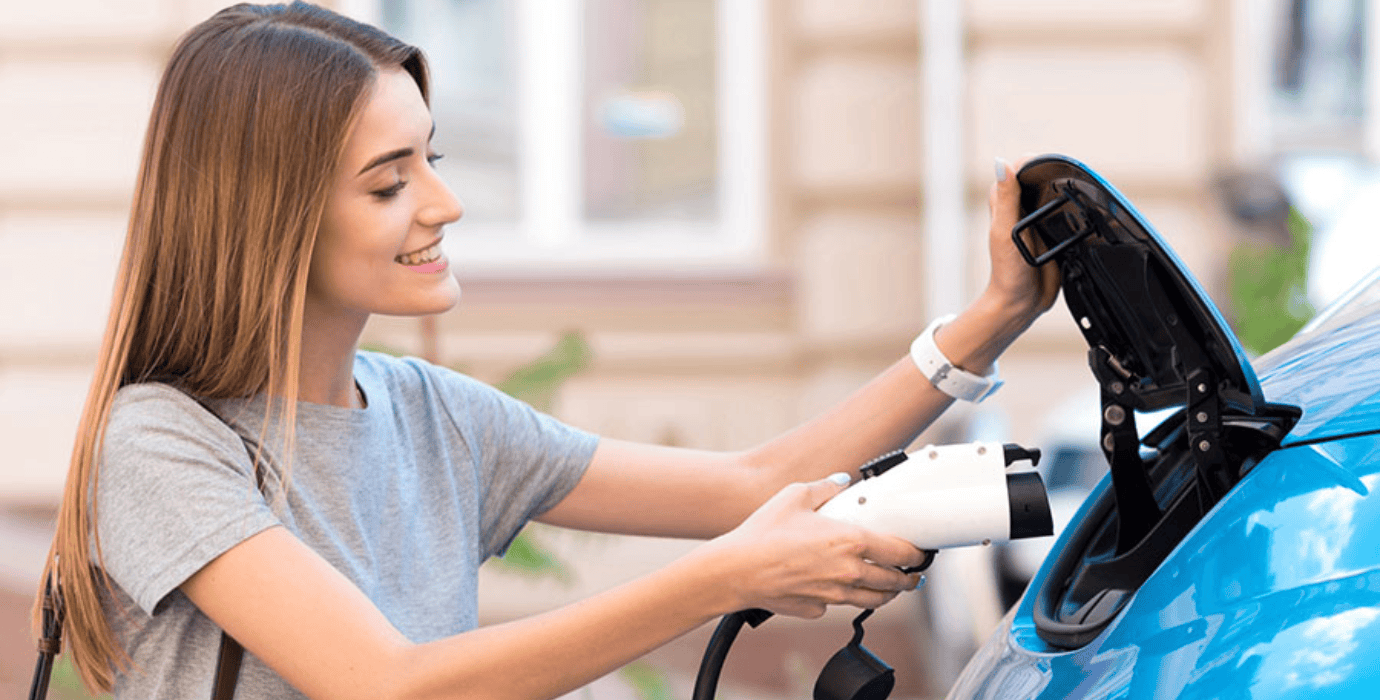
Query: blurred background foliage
x,y
1269,287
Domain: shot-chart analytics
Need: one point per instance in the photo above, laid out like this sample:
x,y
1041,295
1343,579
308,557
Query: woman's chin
x,y
431,309
438,299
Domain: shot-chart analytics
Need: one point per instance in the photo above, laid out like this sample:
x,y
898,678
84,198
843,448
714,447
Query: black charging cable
x,y
707,681
854,673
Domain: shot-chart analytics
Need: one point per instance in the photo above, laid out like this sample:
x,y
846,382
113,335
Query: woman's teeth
x,y
421,257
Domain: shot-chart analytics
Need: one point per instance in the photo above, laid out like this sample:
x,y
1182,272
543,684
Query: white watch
x,y
943,374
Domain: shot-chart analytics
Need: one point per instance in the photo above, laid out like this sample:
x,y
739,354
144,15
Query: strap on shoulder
x,y
227,668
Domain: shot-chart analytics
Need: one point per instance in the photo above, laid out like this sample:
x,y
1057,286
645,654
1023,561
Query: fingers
x,y
1003,199
885,579
1019,287
890,551
795,498
873,591
813,607
817,493
866,598
882,549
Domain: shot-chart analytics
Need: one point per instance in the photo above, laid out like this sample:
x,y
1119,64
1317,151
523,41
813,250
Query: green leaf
x,y
527,557
537,381
66,682
648,681
1269,288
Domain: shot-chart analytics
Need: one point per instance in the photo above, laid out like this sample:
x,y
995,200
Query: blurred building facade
x,y
719,350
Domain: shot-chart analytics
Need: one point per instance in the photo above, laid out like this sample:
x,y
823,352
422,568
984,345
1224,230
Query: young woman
x,y
241,465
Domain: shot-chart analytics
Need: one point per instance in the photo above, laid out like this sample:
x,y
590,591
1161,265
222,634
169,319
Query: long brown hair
x,y
247,128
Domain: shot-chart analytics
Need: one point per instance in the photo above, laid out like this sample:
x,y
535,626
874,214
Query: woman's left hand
x,y
1015,285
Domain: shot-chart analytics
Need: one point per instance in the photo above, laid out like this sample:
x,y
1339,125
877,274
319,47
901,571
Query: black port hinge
x,y
1078,220
1203,414
1137,511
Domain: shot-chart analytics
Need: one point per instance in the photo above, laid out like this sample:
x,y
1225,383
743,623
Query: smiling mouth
x,y
421,257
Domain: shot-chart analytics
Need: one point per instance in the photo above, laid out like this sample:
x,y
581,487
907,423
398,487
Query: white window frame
x,y
941,33
551,232
1253,28
1253,43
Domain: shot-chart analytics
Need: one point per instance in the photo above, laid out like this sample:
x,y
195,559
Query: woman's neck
x,y
328,360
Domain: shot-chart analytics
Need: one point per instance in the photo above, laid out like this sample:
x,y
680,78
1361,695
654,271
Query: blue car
x,y
1232,550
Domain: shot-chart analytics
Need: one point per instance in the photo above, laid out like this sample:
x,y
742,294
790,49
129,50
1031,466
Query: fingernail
x,y
919,582
841,478
1001,169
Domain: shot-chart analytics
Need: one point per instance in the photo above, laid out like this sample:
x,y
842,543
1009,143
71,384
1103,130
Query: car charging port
x,y
1102,566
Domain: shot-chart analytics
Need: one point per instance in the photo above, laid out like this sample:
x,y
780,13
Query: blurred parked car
x,y
1233,549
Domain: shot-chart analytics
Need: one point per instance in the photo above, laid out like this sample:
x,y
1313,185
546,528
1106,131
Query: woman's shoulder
x,y
150,392
144,407
151,398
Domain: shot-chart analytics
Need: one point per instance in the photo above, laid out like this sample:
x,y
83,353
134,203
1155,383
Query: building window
x,y
595,132
1308,116
1319,84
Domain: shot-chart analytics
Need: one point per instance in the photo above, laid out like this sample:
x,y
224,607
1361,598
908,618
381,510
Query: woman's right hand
x,y
790,560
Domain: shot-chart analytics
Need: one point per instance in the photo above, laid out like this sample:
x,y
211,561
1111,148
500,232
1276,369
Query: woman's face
x,y
379,247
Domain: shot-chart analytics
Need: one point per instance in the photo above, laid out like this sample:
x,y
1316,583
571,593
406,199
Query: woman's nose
x,y
442,206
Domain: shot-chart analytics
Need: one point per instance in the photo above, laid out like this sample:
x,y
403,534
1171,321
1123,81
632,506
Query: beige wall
x,y
1134,88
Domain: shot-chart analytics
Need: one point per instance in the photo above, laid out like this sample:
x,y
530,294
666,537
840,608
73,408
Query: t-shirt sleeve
x,y
526,460
176,490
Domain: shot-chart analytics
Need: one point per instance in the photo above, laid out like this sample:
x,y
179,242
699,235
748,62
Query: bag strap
x,y
230,654
227,668
50,639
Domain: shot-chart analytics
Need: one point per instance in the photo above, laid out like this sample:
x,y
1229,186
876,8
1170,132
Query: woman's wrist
x,y
710,572
984,330
1010,314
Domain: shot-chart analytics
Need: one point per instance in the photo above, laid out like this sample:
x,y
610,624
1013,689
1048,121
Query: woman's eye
x,y
432,158
391,190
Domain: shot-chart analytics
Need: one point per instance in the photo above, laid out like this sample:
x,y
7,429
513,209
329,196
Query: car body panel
x,y
1333,375
1275,595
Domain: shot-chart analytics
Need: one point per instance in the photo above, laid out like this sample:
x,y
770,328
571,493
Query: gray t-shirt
x,y
406,497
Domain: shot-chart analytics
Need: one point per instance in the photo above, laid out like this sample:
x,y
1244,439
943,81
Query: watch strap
x,y
942,373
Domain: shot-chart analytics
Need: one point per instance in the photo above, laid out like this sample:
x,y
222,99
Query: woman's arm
x,y
646,489
289,607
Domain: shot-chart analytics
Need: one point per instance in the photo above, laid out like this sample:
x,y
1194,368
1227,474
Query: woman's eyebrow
x,y
386,158
394,155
